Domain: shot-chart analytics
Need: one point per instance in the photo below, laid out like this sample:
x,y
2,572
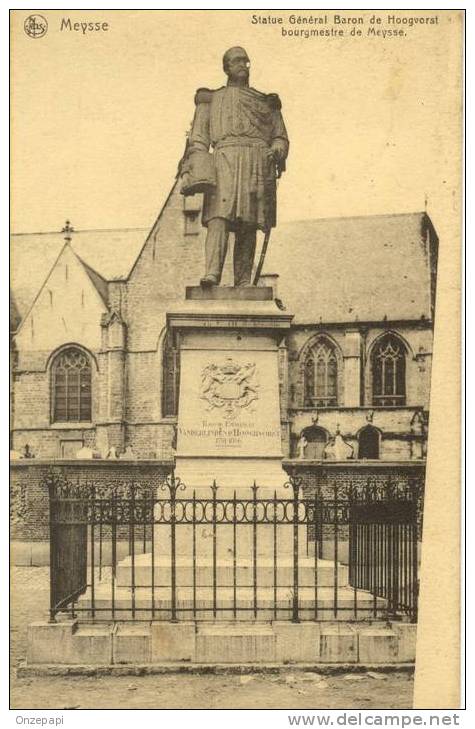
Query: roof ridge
x,y
284,222
356,217
80,231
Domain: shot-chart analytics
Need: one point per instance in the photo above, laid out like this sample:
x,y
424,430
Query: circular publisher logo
x,y
35,26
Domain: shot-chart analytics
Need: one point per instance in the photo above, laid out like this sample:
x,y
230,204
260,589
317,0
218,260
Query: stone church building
x,y
93,365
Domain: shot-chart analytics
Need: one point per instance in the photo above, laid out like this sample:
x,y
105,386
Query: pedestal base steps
x,y
70,643
235,597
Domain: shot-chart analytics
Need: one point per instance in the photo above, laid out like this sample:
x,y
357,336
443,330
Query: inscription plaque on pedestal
x,y
228,405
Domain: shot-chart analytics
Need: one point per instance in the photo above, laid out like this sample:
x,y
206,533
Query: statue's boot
x,y
208,281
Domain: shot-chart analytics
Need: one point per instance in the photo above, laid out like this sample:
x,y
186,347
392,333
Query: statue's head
x,y
236,64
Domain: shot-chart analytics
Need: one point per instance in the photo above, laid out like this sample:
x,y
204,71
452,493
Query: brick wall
x,y
159,276
143,386
152,440
327,477
29,509
32,400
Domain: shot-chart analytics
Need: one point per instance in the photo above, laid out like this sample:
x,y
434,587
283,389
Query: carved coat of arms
x,y
229,386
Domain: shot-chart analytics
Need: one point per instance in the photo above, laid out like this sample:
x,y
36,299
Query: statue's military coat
x,y
240,125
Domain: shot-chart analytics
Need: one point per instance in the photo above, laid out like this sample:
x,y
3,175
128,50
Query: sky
x,y
99,119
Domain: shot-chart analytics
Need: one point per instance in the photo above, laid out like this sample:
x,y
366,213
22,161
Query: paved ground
x,y
288,691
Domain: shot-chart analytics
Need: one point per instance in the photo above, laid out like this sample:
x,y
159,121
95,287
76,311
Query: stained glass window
x,y
389,372
71,381
320,375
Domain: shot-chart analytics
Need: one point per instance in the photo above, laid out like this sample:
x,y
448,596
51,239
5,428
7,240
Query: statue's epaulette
x,y
274,101
203,96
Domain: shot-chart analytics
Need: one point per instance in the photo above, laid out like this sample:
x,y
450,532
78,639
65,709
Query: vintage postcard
x,y
234,359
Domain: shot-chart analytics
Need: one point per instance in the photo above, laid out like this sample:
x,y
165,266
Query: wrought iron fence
x,y
126,552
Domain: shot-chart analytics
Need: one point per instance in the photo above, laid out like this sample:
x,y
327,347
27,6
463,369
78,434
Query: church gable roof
x,y
367,268
107,255
67,307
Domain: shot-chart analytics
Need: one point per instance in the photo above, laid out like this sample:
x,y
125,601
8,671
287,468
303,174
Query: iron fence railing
x,y
132,552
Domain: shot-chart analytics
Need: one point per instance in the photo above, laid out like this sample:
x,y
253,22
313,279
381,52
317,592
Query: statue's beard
x,y
241,77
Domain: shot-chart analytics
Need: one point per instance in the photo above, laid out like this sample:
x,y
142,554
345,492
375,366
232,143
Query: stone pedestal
x,y
229,410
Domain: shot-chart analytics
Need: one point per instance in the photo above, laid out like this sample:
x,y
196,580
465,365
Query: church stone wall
x,y
47,442
143,392
169,261
401,434
152,440
32,420
418,338
32,398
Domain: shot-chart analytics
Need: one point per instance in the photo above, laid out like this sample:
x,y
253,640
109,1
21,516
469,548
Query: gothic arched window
x,y
368,443
388,367
170,376
71,386
313,441
320,375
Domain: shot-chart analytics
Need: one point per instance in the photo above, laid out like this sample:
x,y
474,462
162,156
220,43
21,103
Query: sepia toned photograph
x,y
234,331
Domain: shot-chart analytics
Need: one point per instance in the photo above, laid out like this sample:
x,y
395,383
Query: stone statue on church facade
x,y
246,134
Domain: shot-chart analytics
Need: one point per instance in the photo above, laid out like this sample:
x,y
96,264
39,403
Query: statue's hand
x,y
278,150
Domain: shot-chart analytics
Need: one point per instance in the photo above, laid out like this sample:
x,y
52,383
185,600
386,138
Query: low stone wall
x,y
29,505
325,475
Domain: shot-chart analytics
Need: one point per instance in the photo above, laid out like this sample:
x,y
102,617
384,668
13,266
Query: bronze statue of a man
x,y
247,134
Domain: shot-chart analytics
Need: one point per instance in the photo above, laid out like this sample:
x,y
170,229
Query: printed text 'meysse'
x,y
82,27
